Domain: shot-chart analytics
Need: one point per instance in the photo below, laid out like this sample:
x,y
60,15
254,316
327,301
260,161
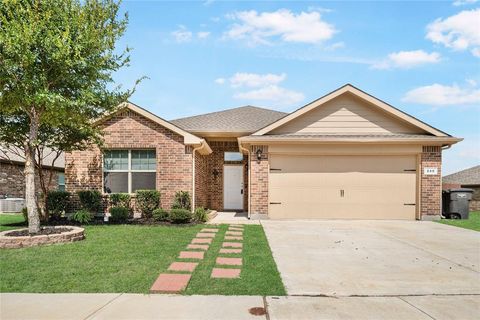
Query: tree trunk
x,y
30,197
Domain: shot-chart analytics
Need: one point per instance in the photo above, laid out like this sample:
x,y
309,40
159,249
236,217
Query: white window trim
x,y
129,170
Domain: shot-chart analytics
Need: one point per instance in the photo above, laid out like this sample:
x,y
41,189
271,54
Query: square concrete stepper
x,y
201,241
209,230
223,250
225,273
191,255
229,261
232,245
205,235
233,238
203,247
170,282
183,266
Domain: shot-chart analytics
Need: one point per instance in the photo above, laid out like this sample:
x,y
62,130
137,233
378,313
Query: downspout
x,y
193,173
249,171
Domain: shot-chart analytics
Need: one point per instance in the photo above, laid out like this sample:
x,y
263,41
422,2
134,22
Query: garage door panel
x,y
342,187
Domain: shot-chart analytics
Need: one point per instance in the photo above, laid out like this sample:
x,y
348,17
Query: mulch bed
x,y
43,231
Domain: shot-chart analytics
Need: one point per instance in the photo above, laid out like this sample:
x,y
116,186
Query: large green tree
x,y
57,59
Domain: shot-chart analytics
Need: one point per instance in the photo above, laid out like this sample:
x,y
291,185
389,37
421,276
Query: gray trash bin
x,y
455,203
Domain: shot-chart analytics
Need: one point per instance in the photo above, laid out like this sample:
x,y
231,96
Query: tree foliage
x,y
57,59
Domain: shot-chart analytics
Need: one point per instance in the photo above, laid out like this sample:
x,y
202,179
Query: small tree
x,y
56,64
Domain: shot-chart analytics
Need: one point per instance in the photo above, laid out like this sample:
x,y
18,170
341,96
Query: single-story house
x,y
468,178
12,165
346,155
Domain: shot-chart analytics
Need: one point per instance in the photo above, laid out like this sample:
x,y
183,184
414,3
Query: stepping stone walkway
x,y
177,282
235,232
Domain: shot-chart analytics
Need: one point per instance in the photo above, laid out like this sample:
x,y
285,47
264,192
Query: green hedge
x,y
57,203
147,201
180,216
118,214
90,200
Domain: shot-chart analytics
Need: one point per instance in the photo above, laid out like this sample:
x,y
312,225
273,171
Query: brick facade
x,y
129,130
259,180
431,185
12,181
201,181
215,162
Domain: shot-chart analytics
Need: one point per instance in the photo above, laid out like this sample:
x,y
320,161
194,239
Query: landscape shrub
x,y
82,216
147,201
90,200
180,216
182,200
118,214
120,200
57,203
160,215
201,215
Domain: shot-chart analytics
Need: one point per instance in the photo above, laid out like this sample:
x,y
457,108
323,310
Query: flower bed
x,y
48,235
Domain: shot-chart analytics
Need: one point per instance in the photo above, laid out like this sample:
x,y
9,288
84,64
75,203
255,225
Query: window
x,y
61,181
126,171
232,156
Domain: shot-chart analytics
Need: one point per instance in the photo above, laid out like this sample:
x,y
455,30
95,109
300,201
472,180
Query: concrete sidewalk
x,y
138,306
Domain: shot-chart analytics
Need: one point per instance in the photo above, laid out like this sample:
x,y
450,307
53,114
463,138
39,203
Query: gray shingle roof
x,y
469,176
15,155
246,119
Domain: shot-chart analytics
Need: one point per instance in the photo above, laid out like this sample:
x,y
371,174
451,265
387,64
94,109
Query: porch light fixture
x,y
215,173
259,154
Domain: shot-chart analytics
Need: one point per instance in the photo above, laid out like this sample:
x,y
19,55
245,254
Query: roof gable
x,y
188,138
380,117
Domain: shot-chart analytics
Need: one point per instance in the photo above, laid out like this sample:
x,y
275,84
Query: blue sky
x,y
422,57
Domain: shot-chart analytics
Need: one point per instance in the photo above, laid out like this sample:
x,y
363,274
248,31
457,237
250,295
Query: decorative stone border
x,y
76,234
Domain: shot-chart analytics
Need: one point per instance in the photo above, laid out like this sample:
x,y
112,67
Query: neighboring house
x,y
347,155
468,178
12,181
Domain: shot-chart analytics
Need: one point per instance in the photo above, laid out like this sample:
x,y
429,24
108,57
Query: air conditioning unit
x,y
12,204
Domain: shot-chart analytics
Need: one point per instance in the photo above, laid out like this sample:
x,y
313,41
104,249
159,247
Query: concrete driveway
x,y
375,258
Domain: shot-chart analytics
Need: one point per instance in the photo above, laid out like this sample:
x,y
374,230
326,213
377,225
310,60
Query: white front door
x,y
233,187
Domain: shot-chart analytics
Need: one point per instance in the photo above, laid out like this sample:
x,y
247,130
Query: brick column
x,y
259,180
431,185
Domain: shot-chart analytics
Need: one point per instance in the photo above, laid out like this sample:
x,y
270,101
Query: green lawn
x,y
128,258
473,221
11,221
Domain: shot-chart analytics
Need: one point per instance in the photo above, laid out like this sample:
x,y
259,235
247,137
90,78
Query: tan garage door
x,y
342,187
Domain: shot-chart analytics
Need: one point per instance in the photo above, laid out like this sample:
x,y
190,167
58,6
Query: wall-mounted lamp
x,y
259,154
215,173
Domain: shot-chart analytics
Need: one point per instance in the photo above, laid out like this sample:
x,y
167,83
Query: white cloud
x,y
258,28
444,95
463,2
203,34
182,34
263,88
459,32
407,59
253,80
272,93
